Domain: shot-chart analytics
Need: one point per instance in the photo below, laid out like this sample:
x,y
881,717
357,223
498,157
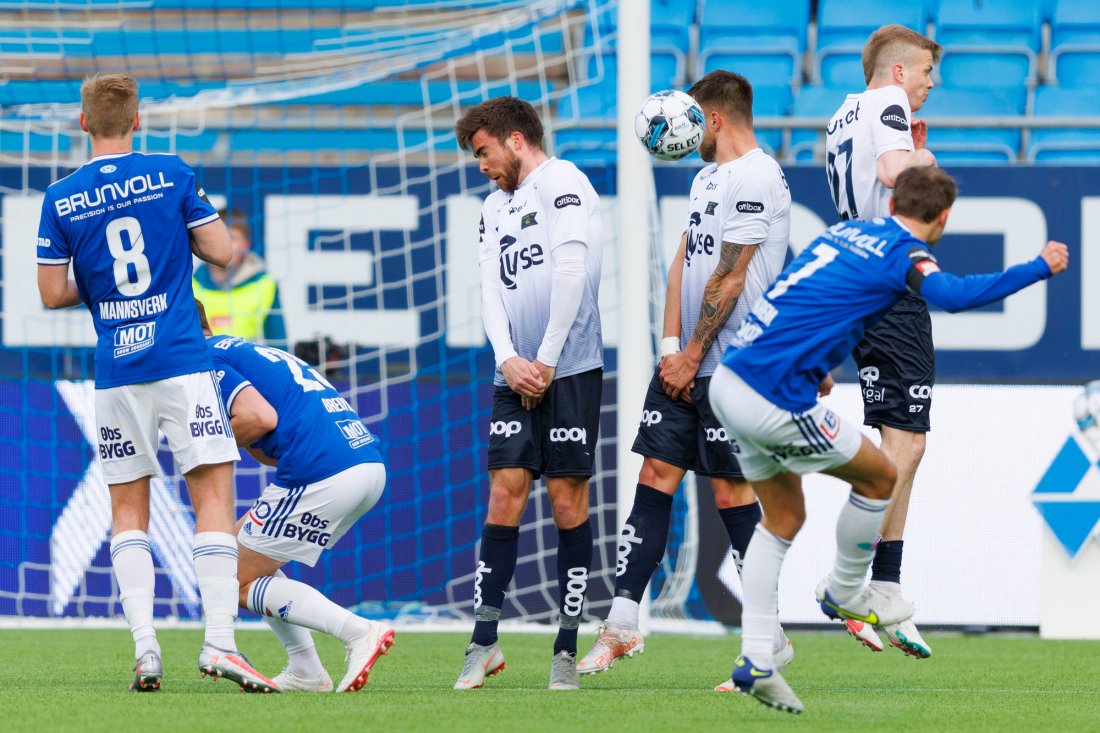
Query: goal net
x,y
328,126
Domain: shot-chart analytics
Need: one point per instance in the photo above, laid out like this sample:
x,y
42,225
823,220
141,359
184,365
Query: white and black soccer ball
x,y
670,125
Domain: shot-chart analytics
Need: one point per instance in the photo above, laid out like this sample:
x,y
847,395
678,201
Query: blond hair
x,y
109,103
893,44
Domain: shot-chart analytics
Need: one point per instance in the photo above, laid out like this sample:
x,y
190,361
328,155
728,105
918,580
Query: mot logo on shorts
x,y
507,429
651,417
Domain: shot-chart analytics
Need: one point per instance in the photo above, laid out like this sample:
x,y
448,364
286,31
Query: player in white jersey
x,y
734,246
870,140
540,259
129,223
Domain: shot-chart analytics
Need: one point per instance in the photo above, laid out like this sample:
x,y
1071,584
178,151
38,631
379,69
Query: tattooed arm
x,y
719,298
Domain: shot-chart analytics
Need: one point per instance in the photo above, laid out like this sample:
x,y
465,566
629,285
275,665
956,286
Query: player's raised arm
x,y
954,293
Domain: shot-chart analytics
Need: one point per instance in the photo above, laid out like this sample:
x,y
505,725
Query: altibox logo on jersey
x,y
134,337
356,432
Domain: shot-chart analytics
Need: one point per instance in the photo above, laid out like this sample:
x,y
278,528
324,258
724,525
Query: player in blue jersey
x,y
766,396
129,223
328,473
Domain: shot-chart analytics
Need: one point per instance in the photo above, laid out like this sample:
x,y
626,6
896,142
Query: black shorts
x,y
557,438
897,368
687,436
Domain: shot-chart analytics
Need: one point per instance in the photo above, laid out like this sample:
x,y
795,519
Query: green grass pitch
x,y
76,681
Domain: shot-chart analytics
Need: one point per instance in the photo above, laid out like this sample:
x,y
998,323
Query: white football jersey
x,y
744,201
866,126
555,204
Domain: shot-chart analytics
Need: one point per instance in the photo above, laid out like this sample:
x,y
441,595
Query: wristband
x,y
669,345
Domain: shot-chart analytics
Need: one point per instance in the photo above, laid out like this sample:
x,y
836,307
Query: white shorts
x,y
298,523
768,439
187,409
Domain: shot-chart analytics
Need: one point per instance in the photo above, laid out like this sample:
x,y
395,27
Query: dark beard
x,y
708,149
509,177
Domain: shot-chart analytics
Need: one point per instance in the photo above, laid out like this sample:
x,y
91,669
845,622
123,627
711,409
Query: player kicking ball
x,y
765,394
329,473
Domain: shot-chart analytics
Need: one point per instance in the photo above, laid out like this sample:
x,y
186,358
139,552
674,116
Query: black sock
x,y
740,523
887,563
642,542
574,562
495,567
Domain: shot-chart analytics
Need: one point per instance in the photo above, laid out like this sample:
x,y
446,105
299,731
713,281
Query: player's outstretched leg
x,y
766,685
641,547
784,655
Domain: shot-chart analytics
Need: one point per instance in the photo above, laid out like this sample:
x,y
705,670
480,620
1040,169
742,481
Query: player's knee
x,y
729,493
660,475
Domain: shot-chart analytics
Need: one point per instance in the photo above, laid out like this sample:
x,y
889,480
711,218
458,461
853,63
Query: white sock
x,y
624,612
760,583
301,605
856,530
302,658
133,564
215,557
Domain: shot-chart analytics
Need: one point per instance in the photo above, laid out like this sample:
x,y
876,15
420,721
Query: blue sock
x,y
642,543
740,523
495,567
887,563
574,562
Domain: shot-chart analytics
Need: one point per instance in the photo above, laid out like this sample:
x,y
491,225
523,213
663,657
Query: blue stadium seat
x,y
670,24
762,41
990,44
843,27
813,101
973,145
771,101
1065,144
1075,43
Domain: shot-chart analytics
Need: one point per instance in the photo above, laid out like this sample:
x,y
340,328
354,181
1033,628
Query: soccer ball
x,y
670,125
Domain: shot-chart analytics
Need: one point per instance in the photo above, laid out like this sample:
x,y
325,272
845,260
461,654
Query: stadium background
x,y
329,124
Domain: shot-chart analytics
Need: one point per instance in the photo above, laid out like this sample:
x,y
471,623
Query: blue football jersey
x,y
842,283
122,221
318,434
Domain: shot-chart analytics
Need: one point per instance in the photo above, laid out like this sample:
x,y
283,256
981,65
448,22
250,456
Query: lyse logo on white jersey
x,y
514,262
574,591
355,432
134,337
507,429
697,242
569,435
651,417
481,570
626,539
869,375
204,424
